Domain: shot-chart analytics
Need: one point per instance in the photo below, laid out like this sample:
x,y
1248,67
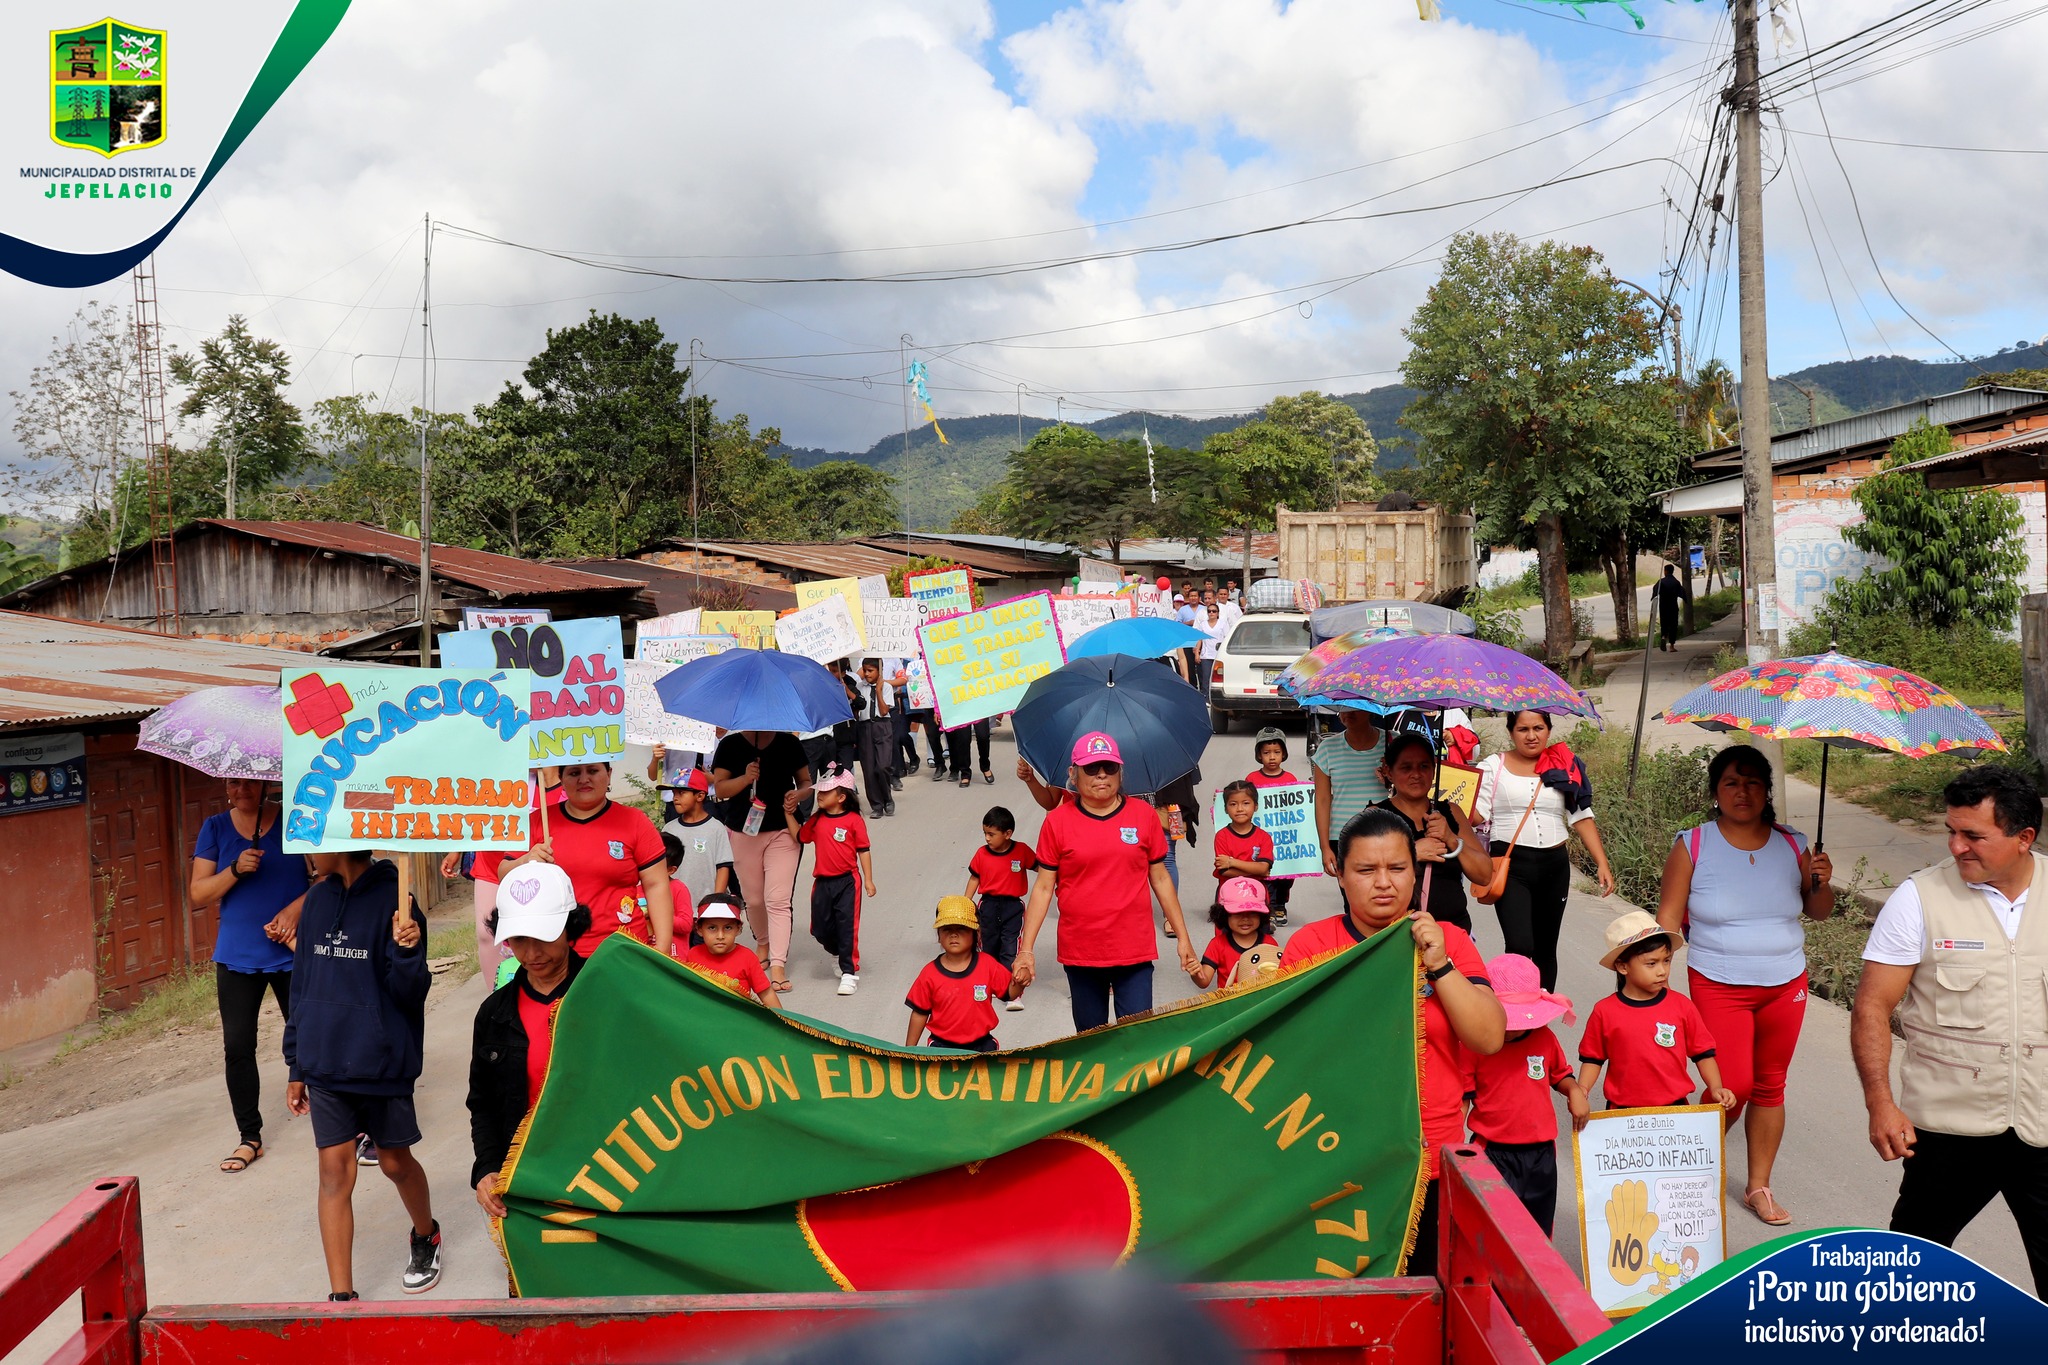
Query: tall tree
x,y
1070,485
79,420
840,499
361,465
1952,555
1525,356
239,380
1340,431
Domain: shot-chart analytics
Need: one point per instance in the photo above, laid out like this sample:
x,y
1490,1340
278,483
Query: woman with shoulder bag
x,y
1537,795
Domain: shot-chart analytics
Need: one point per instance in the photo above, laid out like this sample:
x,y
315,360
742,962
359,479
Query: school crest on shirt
x,y
981,995
698,844
616,848
838,836
1128,833
1536,1071
1016,864
1667,1035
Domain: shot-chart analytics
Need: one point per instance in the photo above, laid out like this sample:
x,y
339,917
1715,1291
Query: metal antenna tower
x,y
156,450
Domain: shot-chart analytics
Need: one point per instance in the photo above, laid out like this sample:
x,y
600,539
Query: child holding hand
x,y
1240,915
956,992
720,953
1645,1031
841,838
1508,1092
1000,874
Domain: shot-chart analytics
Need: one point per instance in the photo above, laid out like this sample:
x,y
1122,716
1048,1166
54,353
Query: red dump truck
x,y
1501,1295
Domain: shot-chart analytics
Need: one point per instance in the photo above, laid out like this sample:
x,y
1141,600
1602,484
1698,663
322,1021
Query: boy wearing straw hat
x,y
1645,1032
1508,1092
956,992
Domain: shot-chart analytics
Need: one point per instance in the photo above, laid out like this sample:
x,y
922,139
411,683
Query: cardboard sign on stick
x,y
1289,815
579,696
892,626
823,632
810,594
1079,615
405,759
944,592
750,629
981,662
1652,1212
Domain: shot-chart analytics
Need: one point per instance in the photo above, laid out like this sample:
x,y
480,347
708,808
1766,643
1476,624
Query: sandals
x,y
235,1162
1749,1201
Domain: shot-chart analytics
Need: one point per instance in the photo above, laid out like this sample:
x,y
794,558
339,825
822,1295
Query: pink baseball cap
x,y
1243,896
1518,985
1096,747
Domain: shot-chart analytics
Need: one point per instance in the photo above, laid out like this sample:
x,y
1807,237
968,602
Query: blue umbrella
x,y
755,689
1141,637
1159,722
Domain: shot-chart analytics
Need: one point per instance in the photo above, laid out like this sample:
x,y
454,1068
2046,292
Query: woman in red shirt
x,y
1376,872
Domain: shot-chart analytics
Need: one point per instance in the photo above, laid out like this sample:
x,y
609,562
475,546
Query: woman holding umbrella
x,y
751,773
239,862
1443,841
1738,888
1107,856
1533,798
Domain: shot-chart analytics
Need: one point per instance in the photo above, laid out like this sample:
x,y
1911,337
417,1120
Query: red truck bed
x,y
1501,1296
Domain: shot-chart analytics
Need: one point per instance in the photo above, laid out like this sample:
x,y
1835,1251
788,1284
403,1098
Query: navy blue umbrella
x,y
1159,722
755,689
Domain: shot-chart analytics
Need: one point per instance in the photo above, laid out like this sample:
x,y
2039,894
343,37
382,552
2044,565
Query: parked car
x,y
1241,676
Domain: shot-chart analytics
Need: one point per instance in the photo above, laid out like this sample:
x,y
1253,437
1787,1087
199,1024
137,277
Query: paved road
x,y
252,1237
1602,606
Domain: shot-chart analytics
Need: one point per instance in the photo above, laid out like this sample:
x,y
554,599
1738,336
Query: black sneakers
x,y
343,1296
423,1266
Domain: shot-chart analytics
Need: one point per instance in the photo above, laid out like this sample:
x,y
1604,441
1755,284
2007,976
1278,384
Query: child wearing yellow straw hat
x,y
956,992
1644,1033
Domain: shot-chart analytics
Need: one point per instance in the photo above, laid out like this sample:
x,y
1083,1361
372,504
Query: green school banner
x,y
1268,1132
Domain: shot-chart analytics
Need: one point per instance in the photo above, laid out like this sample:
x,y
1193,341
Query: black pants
x,y
958,740
1422,1260
876,739
1093,987
1949,1179
1531,909
985,1043
835,918
1002,919
241,997
1530,1170
1277,892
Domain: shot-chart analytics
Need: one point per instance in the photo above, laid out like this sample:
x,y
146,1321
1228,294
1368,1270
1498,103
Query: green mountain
x,y
934,481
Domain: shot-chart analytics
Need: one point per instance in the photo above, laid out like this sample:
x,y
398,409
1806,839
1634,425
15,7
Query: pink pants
x,y
767,865
1755,1029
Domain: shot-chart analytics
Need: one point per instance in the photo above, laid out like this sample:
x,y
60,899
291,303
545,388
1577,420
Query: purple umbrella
x,y
1433,673
221,731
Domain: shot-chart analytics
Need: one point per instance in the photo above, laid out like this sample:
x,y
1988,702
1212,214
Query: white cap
x,y
534,901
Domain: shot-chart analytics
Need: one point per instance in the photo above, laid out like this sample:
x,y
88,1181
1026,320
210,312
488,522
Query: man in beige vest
x,y
1957,944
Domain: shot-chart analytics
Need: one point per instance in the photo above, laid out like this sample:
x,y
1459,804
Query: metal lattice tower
x,y
156,446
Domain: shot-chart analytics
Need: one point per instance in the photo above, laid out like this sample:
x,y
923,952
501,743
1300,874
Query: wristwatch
x,y
1439,973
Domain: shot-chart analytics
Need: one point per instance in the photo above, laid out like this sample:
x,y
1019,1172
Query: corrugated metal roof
x,y
58,670
825,559
1885,425
2020,442
499,575
983,560
1037,547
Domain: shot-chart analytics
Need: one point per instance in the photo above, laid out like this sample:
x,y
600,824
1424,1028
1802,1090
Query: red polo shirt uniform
x,y
1256,847
1102,866
1644,1046
1223,953
1257,777
841,839
961,1004
739,966
1510,1091
1005,873
604,856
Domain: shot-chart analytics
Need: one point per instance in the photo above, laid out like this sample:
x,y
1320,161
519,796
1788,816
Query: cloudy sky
x,y
787,141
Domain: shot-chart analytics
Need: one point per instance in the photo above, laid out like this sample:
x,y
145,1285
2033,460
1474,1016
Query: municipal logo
x,y
1536,1072
107,87
1667,1035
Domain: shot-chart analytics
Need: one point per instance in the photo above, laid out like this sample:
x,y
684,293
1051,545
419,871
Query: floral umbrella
x,y
1433,673
1842,702
221,731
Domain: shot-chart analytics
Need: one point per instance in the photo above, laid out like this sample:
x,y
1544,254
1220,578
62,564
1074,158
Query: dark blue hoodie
x,y
358,1016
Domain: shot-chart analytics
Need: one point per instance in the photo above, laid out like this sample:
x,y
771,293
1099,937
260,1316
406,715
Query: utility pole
x,y
1760,551
903,364
426,602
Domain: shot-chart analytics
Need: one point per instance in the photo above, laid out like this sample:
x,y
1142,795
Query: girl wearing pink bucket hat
x,y
1511,1113
1243,921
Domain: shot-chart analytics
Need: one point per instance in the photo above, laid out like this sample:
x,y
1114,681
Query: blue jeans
x,y
1173,864
1092,988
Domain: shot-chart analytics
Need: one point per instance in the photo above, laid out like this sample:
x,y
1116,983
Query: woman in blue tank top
x,y
1740,887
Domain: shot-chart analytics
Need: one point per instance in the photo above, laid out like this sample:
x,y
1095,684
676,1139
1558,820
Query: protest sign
x,y
1289,815
944,592
919,690
750,629
874,587
648,722
811,594
579,700
1458,785
676,650
499,618
1097,571
1651,1208
675,623
823,632
405,759
1079,615
981,662
892,626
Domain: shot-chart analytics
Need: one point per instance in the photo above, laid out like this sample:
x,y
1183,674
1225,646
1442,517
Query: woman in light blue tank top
x,y
1740,887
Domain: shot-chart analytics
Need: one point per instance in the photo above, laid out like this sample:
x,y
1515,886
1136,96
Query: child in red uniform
x,y
1000,873
1509,1092
841,837
956,992
1240,915
1242,848
1269,746
720,954
1645,1031
679,896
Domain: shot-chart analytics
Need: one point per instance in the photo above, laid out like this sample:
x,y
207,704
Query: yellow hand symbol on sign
x,y
1630,1226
